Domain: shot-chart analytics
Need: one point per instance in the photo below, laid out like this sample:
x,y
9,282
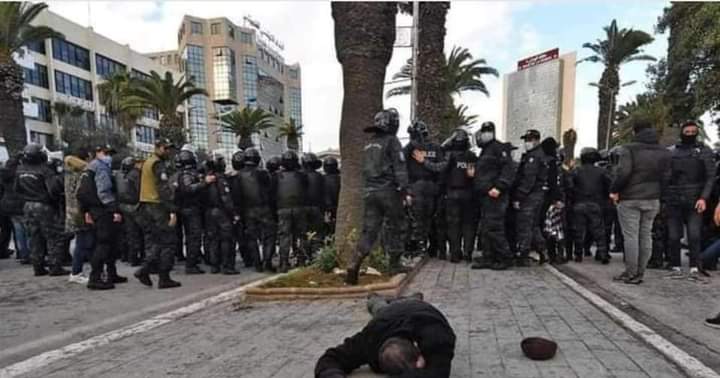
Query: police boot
x,y
215,269
284,265
604,258
481,263
166,283
113,276
502,264
455,257
269,266
40,270
57,270
143,276
229,270
522,261
96,283
194,270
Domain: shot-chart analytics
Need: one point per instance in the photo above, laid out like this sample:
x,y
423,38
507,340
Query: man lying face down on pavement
x,y
407,337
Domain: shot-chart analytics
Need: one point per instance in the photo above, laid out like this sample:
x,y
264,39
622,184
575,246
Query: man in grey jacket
x,y
641,174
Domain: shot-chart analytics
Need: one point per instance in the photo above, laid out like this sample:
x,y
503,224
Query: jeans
x,y
22,244
681,214
636,220
711,254
84,245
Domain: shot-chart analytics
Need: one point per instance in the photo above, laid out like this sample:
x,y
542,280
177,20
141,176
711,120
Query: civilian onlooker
x,y
75,222
641,173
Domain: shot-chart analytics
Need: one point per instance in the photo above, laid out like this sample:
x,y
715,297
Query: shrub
x,y
378,260
326,259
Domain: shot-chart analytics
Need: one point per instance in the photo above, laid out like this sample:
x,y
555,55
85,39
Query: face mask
x,y
107,159
487,136
688,139
529,146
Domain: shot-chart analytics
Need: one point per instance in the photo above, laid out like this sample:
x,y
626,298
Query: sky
x,y
499,32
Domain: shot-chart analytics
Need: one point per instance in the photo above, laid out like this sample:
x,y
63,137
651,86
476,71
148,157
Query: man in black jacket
x,y
494,174
405,338
332,193
642,172
460,209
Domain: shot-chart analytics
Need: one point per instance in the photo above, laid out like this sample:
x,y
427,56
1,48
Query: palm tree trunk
x,y
432,100
12,119
364,37
609,84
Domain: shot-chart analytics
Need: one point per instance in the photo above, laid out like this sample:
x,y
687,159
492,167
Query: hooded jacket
x,y
74,219
643,168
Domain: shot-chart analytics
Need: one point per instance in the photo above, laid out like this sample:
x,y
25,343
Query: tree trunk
x,y
431,96
609,84
293,144
12,119
364,37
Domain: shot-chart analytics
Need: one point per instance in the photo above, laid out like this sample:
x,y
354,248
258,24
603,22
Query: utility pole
x,y
415,41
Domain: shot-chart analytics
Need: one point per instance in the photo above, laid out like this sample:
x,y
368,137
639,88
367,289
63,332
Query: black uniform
x,y
290,195
128,188
424,189
332,194
461,211
252,187
589,186
692,178
314,203
529,195
219,219
190,192
494,169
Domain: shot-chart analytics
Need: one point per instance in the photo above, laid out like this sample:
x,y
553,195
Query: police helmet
x,y
273,164
238,160
311,161
487,126
289,160
386,121
186,159
127,164
589,155
458,141
220,164
33,154
330,165
252,157
418,130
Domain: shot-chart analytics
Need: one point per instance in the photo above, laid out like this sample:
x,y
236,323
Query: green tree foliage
x,y
244,123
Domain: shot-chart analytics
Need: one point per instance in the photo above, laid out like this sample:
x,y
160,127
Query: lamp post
x,y
415,41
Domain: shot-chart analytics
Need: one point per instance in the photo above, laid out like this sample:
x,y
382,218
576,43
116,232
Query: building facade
x,y
238,67
69,70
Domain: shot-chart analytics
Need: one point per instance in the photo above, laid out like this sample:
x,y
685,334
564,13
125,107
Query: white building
x,y
69,70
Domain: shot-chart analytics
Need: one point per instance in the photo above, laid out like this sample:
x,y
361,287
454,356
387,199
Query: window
x,y
44,110
73,85
144,134
295,108
195,65
107,121
105,67
41,138
246,38
224,73
215,28
139,75
37,46
231,32
196,28
151,113
37,77
197,109
71,53
293,73
250,79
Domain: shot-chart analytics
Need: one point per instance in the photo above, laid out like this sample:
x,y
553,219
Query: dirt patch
x,y
315,278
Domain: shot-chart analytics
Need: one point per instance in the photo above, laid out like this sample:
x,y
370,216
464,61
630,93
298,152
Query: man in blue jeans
x,y
75,221
641,172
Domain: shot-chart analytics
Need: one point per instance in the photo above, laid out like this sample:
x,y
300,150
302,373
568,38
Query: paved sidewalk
x,y
676,308
41,313
490,311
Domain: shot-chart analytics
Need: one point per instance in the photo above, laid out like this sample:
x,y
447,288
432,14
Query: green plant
x,y
326,259
244,123
378,260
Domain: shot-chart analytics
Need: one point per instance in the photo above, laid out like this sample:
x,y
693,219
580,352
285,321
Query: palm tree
x,y
244,123
455,117
292,132
113,92
165,95
364,37
649,107
15,18
620,46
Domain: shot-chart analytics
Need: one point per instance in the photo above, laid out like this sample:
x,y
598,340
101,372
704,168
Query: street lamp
x,y
612,93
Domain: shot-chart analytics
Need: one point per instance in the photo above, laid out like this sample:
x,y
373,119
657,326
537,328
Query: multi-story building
x,y
239,66
68,70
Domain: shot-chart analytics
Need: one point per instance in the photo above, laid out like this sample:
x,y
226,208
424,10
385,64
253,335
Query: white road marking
x,y
49,357
691,365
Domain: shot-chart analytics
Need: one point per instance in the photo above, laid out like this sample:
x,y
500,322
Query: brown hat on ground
x,y
539,349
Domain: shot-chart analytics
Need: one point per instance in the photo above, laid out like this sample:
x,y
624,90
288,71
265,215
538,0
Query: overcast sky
x,y
500,32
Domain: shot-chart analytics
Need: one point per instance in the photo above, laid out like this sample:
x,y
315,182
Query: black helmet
x,y
330,165
186,159
459,141
33,154
289,160
418,130
220,164
310,161
252,157
590,155
487,126
127,164
273,164
238,160
386,121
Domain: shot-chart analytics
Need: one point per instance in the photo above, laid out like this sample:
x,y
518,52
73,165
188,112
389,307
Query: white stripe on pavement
x,y
691,365
47,358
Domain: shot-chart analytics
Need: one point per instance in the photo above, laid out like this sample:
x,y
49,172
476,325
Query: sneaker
x,y
713,322
675,274
694,276
78,279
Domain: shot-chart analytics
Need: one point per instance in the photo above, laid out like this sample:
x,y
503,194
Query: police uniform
x,y
290,194
191,187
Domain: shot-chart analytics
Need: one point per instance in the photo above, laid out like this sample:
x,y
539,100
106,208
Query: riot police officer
x,y
494,175
385,182
424,163
332,193
589,186
219,219
691,183
128,187
461,211
190,191
35,186
252,187
528,197
314,201
290,193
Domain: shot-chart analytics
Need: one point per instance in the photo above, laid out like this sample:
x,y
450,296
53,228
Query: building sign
x,y
263,36
538,59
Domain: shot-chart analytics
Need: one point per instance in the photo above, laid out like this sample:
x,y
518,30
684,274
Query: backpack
x,y
86,191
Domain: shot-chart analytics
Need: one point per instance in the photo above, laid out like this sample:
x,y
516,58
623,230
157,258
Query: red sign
x,y
538,59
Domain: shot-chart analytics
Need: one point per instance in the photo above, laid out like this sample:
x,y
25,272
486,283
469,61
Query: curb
x,y
394,287
687,363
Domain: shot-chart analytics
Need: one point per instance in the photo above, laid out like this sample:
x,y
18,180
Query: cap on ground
x,y
531,134
539,349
